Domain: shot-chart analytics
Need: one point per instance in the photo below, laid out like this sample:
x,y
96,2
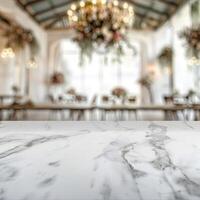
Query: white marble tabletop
x,y
99,161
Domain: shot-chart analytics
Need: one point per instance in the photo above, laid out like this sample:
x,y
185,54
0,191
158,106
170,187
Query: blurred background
x,y
99,60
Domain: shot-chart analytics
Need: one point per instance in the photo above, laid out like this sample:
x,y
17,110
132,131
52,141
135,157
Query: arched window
x,y
97,77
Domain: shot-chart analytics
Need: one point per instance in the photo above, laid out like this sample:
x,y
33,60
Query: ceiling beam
x,y
57,19
168,2
58,16
64,14
71,1
55,7
145,15
147,8
171,3
32,2
151,18
4,20
48,26
25,9
181,4
51,17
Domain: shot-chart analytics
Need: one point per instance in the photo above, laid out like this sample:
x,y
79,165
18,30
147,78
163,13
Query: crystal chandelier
x,y
121,13
100,23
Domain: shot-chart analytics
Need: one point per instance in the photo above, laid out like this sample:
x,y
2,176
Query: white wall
x,y
38,87
168,35
183,74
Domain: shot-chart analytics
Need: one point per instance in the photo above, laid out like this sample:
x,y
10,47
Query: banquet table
x,y
100,161
63,106
8,97
82,108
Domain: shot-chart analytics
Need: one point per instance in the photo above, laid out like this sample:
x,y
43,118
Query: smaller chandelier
x,y
32,64
194,61
7,52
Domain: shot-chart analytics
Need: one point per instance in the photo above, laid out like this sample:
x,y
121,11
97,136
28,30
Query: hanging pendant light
x,y
32,64
194,61
7,52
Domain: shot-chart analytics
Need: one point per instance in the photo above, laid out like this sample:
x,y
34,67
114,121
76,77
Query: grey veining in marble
x,y
99,161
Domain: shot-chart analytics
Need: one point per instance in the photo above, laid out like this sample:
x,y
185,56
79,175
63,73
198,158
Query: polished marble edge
x,y
89,158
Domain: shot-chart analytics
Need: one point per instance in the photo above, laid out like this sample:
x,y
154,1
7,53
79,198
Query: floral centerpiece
x,y
119,92
100,26
57,78
71,91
